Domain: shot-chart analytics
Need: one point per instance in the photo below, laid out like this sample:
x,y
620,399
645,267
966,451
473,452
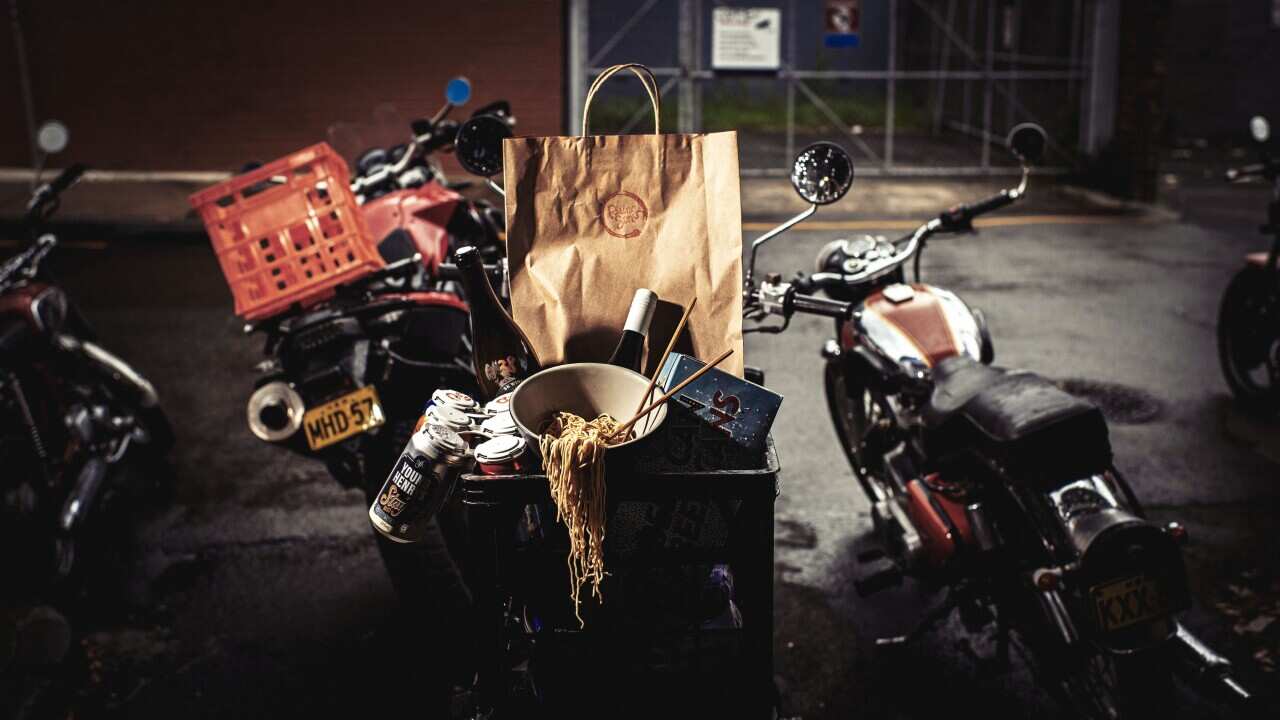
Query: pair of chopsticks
x,y
641,410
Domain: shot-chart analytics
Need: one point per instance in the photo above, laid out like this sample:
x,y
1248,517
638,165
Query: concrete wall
x,y
176,84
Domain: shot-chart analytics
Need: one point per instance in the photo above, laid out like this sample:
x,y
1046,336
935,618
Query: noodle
x,y
573,458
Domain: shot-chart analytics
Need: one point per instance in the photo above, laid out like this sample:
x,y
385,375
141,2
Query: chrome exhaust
x,y
1201,666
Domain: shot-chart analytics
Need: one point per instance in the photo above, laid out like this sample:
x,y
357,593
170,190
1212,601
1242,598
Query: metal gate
x,y
931,88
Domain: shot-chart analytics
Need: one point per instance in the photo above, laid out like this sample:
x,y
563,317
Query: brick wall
x,y
175,84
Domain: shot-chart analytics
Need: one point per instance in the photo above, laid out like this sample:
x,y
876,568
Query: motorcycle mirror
x,y
1027,141
1260,129
822,173
458,91
52,137
501,108
478,145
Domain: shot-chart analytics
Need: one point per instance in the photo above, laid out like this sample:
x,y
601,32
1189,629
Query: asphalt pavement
x,y
258,592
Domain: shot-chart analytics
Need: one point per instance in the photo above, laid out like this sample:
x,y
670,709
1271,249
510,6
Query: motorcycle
x,y
74,414
344,381
82,436
1249,319
993,484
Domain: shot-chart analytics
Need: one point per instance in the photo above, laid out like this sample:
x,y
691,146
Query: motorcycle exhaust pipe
x,y
1201,666
275,412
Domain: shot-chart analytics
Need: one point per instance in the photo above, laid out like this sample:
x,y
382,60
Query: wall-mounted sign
x,y
746,38
843,20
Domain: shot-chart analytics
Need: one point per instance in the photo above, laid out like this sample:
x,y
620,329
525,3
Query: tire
x,y
847,406
1111,687
1249,339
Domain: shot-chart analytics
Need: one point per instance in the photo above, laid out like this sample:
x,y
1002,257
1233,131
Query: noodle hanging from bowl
x,y
573,459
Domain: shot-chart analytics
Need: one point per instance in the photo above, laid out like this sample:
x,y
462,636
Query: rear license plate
x,y
339,419
1127,602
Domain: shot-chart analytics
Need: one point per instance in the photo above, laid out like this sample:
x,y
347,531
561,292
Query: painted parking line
x,y
1010,221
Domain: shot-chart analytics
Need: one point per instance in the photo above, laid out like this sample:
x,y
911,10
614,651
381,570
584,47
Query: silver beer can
x,y
499,405
500,424
456,399
454,419
420,483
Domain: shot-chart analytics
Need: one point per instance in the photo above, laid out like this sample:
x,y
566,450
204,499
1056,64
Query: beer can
x,y
452,418
420,483
502,455
500,424
499,405
456,399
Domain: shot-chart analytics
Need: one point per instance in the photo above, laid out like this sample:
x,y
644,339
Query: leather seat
x,y
1019,419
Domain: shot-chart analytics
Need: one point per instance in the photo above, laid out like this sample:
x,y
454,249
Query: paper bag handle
x,y
646,79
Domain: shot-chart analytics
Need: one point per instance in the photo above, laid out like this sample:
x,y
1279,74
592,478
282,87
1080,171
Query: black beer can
x,y
420,483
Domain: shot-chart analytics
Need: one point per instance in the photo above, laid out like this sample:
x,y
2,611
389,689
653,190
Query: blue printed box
x,y
731,407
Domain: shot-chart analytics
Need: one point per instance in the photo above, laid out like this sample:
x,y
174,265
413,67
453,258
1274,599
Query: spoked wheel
x,y
1101,686
1249,339
853,412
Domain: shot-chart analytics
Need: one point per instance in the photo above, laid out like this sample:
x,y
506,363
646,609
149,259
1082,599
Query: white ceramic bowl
x,y
586,390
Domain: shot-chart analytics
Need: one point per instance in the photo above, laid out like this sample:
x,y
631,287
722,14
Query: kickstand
x,y
935,615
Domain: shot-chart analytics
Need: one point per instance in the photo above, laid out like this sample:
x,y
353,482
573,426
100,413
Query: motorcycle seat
x,y
1018,418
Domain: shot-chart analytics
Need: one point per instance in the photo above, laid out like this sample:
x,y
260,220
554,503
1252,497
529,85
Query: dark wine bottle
x,y
630,351
501,352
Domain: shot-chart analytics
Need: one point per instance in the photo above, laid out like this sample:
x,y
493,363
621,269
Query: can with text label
x,y
420,483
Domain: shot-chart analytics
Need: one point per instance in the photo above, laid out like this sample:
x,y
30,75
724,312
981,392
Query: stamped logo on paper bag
x,y
624,214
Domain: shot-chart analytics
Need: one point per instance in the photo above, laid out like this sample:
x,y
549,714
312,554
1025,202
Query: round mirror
x,y
822,173
1027,141
458,91
1259,128
52,137
478,145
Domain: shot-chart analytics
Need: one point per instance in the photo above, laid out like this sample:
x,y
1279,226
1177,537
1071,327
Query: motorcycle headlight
x,y
49,309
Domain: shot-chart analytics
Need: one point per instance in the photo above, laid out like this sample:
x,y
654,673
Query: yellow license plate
x,y
339,419
1127,602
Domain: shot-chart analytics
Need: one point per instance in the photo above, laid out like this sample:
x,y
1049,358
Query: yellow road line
x,y
1009,221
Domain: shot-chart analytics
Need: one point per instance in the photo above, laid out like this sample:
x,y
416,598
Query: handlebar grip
x,y
1234,174
821,306
995,202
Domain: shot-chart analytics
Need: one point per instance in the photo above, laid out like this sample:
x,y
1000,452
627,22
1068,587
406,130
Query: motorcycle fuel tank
x,y
915,325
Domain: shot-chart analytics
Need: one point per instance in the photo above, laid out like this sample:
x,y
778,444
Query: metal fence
x,y
931,90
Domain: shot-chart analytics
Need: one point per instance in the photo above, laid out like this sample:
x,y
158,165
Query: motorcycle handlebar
x,y
960,216
1252,170
814,305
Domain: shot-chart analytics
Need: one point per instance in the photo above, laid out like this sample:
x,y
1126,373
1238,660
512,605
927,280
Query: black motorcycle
x,y
82,439
345,381
1249,320
994,484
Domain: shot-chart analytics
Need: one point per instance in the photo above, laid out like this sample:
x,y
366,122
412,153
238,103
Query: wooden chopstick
x,y
701,371
671,344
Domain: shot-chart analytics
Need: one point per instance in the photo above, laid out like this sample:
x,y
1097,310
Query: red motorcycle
x,y
1249,320
993,484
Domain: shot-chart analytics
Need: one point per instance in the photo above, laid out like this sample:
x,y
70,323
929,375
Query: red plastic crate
x,y
287,232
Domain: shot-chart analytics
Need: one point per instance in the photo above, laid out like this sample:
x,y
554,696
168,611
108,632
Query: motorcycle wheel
x,y
853,409
1249,339
1114,687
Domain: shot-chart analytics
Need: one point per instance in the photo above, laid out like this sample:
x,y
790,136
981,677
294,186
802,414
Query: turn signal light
x,y
1177,531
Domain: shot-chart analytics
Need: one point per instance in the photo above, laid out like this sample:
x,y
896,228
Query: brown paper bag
x,y
592,218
